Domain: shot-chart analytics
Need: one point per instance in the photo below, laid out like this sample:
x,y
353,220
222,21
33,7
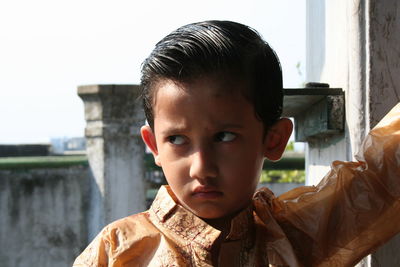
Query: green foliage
x,y
149,163
290,146
288,174
283,176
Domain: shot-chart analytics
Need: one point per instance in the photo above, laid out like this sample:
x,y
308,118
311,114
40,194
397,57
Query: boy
x,y
212,94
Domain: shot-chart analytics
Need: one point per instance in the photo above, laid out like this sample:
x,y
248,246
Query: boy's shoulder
x,y
133,238
144,222
119,240
134,228
129,229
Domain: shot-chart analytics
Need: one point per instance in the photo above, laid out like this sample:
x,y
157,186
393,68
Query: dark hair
x,y
217,48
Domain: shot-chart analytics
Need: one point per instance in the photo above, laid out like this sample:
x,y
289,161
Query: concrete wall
x,y
48,216
43,216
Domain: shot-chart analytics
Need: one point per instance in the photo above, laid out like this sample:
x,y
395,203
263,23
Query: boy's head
x,y
213,97
223,49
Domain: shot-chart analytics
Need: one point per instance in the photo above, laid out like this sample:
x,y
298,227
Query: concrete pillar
x,y
115,152
383,77
357,50
383,85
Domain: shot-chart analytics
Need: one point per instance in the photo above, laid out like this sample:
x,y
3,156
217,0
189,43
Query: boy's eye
x,y
225,137
176,139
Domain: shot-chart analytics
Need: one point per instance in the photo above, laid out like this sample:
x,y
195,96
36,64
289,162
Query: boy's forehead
x,y
215,86
184,103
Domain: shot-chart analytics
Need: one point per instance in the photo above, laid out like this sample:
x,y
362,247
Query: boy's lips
x,y
206,192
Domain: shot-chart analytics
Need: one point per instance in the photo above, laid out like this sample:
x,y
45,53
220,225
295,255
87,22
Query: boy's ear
x,y
276,139
150,140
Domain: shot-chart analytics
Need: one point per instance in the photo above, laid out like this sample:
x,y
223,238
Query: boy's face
x,y
209,144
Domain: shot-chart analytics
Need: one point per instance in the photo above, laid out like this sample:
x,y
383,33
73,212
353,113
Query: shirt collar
x,y
192,228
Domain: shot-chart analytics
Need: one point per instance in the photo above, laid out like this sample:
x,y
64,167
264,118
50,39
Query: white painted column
x,y
327,62
115,152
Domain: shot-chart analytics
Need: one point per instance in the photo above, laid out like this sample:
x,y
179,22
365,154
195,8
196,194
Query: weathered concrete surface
x,y
115,152
384,58
42,216
387,255
383,85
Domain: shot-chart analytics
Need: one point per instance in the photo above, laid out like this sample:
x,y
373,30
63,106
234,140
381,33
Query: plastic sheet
x,y
351,212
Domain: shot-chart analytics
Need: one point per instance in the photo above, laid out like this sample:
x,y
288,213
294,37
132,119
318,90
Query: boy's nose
x,y
203,165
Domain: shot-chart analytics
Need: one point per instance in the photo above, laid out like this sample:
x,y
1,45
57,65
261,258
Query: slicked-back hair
x,y
223,49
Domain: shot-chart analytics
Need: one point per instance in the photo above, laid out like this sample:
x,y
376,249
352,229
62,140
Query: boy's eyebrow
x,y
177,128
173,129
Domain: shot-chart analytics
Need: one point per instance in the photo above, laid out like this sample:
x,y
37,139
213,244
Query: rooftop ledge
x,y
10,163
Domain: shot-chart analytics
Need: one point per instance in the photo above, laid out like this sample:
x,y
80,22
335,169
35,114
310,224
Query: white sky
x,y
49,47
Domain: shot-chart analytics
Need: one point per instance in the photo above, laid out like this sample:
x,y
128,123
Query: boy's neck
x,y
221,224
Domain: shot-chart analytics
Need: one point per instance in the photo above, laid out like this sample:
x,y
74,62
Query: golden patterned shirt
x,y
351,212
